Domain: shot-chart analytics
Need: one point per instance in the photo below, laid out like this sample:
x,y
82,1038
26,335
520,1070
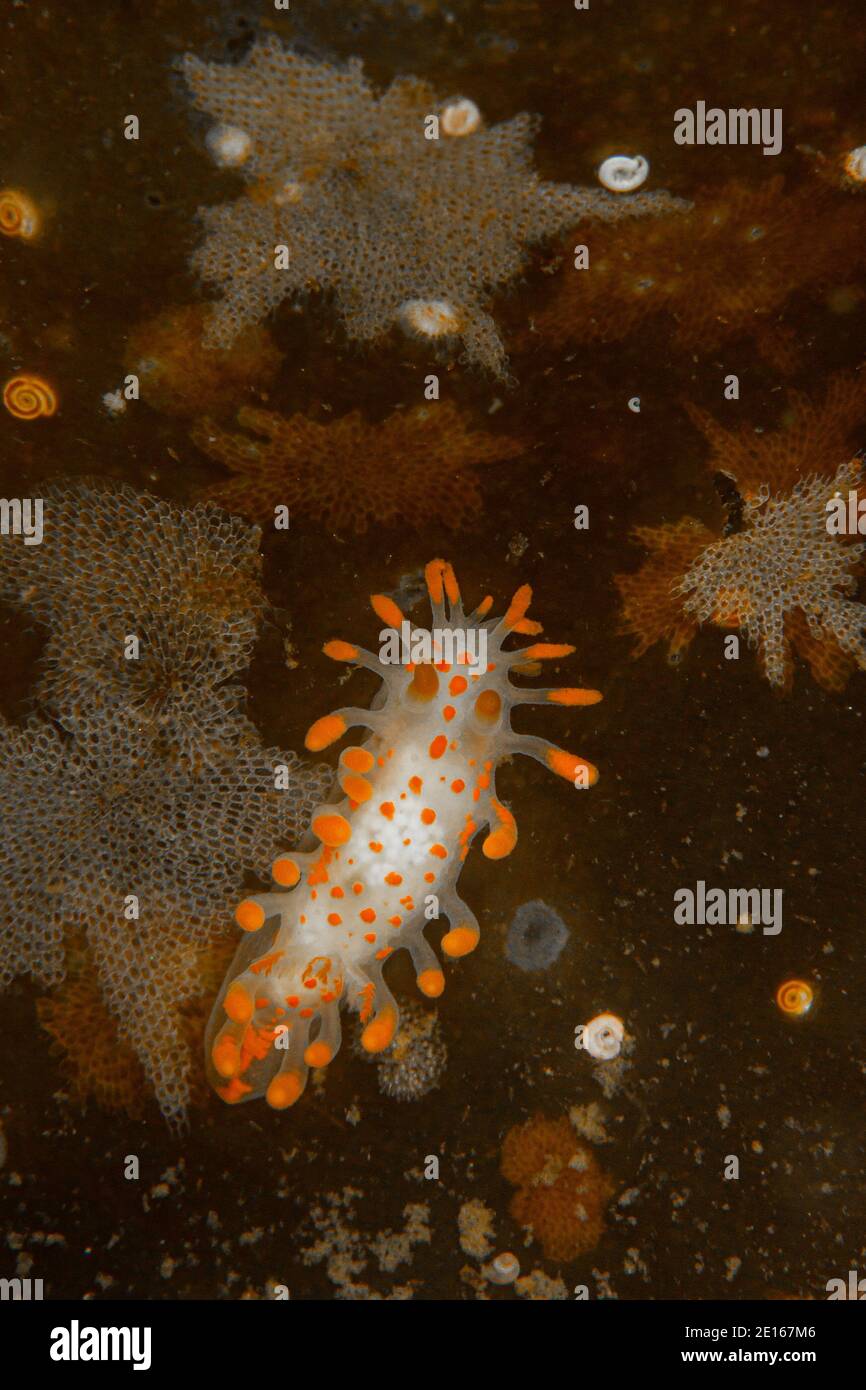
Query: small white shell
x,y
291,192
502,1269
623,173
228,145
460,117
603,1037
855,164
432,318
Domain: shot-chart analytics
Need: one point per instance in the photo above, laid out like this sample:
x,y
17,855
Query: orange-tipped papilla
x,y
318,1054
284,1089
459,941
574,695
575,770
380,1031
249,915
386,610
355,787
324,732
518,606
544,651
225,1053
332,829
285,871
501,841
238,1002
357,759
431,983
340,651
433,576
424,685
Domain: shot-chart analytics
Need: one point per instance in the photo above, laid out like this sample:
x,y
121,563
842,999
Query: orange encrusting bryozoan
x,y
389,855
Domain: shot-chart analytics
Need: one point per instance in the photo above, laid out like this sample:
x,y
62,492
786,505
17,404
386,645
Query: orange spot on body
x,y
457,685
428,816
394,879
425,683
438,746
264,966
488,706
387,810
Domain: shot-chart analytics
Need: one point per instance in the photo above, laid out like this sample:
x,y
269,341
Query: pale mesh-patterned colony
x,y
397,227
783,562
103,804
185,582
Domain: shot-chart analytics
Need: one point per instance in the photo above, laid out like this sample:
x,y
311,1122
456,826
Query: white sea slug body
x,y
389,854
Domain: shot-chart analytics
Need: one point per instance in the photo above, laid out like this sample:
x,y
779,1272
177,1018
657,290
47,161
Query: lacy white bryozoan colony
x,y
416,793
401,229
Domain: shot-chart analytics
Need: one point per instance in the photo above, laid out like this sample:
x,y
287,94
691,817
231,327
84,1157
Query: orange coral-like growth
x,y
179,376
561,1192
812,440
722,271
101,1065
415,466
652,612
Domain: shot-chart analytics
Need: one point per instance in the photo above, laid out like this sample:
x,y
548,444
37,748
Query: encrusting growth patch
x,y
398,227
775,573
723,273
416,463
417,792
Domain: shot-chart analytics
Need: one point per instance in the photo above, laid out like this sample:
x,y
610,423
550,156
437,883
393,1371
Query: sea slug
x,y
388,855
